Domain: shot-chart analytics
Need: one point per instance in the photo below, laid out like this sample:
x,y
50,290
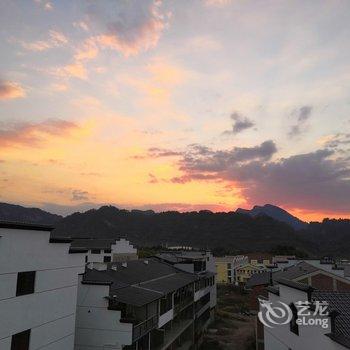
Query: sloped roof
x,y
258,279
340,302
295,271
139,282
18,225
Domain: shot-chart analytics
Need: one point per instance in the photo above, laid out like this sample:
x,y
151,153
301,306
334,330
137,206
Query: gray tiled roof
x,y
92,243
340,302
289,273
258,279
170,283
139,283
295,271
134,295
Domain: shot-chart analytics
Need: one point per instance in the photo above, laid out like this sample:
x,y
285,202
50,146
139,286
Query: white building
x,y
38,289
197,262
336,336
105,250
142,305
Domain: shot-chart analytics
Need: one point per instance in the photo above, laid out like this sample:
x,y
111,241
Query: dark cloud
x,y
318,181
152,179
32,134
131,26
208,160
240,123
338,140
162,152
78,195
302,114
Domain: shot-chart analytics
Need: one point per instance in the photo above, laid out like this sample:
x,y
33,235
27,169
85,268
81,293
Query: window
x,y
106,259
25,283
108,251
293,323
95,251
20,341
229,266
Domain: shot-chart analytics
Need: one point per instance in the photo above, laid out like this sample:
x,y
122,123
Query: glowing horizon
x,y
185,105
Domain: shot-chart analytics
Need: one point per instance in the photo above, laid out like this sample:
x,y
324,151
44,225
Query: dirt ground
x,y
233,328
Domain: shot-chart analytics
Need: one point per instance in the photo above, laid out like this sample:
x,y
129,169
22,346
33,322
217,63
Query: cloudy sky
x,y
176,104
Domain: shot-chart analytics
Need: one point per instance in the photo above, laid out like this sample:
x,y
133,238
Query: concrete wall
x,y
96,326
280,337
50,311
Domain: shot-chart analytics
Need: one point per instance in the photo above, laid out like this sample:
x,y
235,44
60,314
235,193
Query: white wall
x,y
50,311
310,337
96,326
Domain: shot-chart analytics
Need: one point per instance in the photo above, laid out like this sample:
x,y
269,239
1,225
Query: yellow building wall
x,y
221,270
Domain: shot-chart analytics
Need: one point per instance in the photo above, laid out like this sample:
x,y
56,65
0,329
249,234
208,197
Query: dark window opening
x,y
108,251
20,341
107,259
95,251
25,283
293,323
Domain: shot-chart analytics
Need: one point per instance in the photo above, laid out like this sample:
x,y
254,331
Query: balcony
x,y
183,304
177,329
144,327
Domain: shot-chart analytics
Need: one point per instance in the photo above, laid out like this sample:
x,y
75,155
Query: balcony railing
x,y
144,327
183,304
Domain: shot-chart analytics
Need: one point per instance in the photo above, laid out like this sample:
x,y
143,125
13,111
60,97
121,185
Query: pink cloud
x,y
32,134
136,26
10,90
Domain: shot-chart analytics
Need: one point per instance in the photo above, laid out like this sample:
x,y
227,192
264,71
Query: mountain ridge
x,y
276,213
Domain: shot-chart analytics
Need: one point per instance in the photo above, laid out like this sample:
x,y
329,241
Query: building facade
x,y
145,304
308,336
105,250
226,268
38,288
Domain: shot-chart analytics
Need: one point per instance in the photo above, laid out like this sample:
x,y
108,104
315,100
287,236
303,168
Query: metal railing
x,y
144,327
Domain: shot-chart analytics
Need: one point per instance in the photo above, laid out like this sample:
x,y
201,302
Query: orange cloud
x,y
217,3
87,51
10,90
56,39
31,134
75,70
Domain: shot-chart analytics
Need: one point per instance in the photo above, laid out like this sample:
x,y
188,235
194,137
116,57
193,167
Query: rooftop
x,y
339,302
17,225
139,282
92,243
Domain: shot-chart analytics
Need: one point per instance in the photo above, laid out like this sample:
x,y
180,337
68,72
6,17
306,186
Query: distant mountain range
x,y
11,212
234,232
276,213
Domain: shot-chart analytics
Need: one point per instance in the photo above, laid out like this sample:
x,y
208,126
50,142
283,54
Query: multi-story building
x,y
226,268
145,304
330,332
245,272
38,288
105,250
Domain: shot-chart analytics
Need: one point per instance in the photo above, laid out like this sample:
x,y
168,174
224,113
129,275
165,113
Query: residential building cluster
x,y
293,281
96,294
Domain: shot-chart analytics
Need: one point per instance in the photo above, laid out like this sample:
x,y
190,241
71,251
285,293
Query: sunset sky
x,y
176,104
